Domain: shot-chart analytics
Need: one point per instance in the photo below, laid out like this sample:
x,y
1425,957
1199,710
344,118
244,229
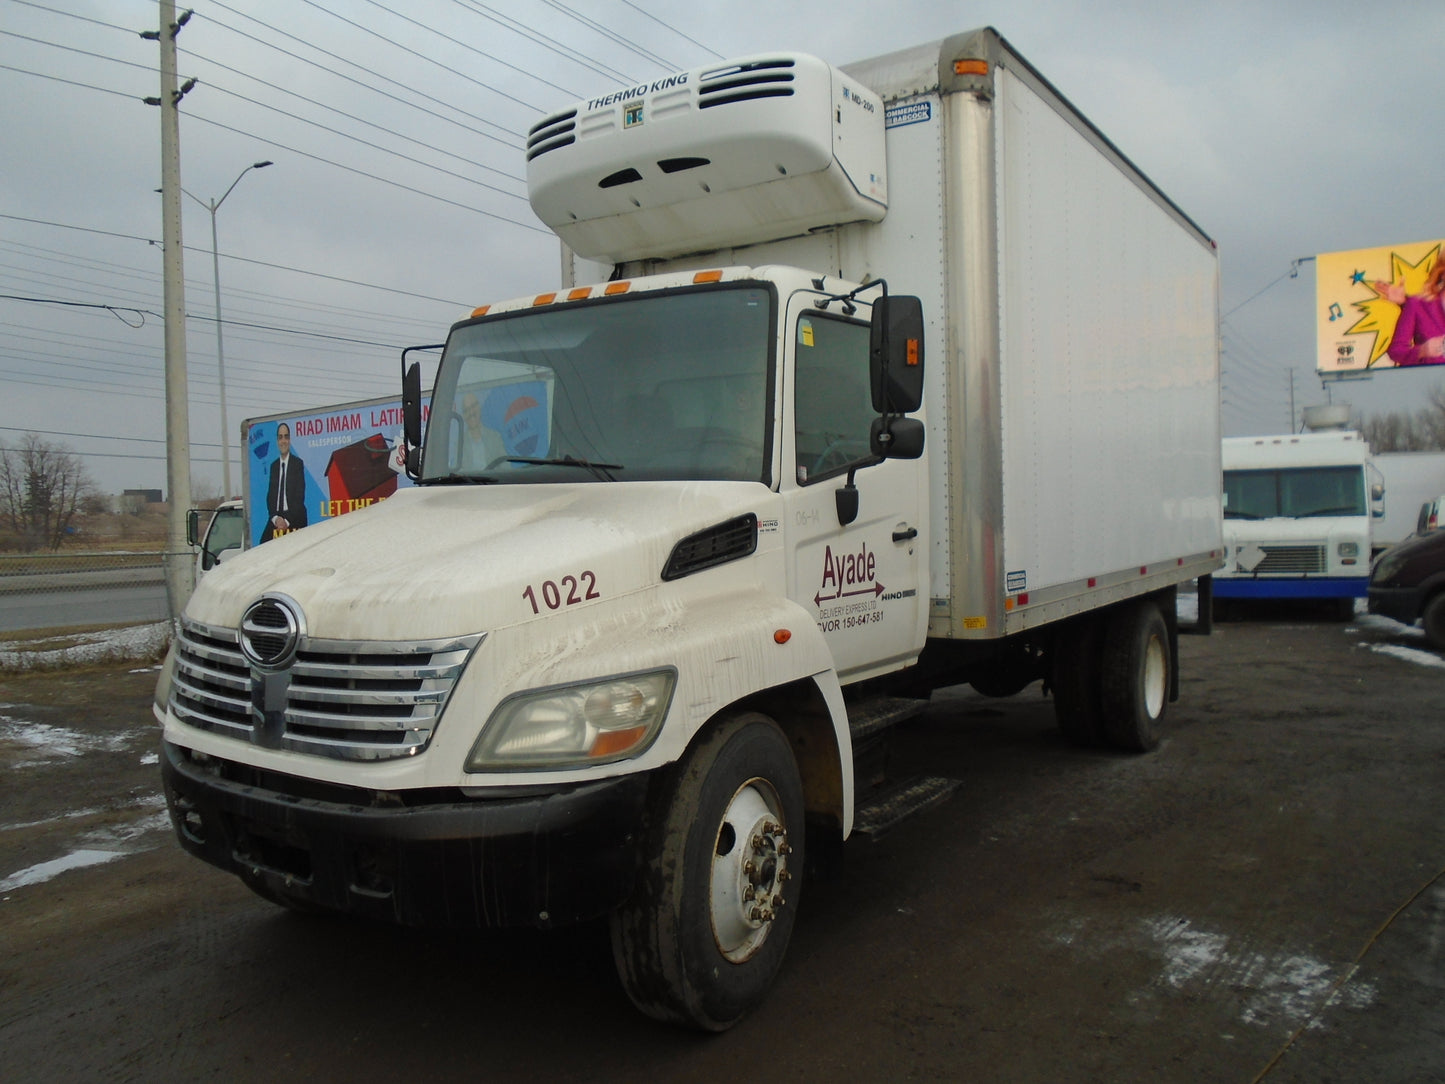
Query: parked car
x,y
1408,584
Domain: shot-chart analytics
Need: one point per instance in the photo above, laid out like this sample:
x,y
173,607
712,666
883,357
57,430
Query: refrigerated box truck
x,y
901,376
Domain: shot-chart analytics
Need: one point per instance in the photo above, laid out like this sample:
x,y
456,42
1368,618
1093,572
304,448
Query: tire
x,y
1075,681
1135,677
1433,618
704,933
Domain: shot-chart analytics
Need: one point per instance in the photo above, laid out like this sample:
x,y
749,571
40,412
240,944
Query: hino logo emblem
x,y
271,630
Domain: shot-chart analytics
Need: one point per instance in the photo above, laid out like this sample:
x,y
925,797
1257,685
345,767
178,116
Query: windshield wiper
x,y
1241,515
463,479
1342,510
601,471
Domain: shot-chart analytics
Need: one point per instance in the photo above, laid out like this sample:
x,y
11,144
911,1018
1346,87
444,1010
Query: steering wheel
x,y
838,453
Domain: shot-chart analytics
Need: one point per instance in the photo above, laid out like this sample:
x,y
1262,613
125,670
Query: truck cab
x,y
225,534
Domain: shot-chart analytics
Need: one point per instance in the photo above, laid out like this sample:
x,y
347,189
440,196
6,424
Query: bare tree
x,y
1422,430
42,486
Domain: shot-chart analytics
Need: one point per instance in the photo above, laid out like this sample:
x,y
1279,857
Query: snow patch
x,y
1294,987
1409,654
108,645
48,743
45,871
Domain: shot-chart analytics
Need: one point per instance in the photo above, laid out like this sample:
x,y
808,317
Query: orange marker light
x,y
970,67
544,299
782,636
616,741
707,276
579,293
480,310
617,288
912,359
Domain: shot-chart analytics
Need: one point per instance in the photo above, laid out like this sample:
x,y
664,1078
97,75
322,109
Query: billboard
x,y
307,466
1380,308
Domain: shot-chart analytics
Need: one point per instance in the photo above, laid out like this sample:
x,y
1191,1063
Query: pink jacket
x,y
1421,318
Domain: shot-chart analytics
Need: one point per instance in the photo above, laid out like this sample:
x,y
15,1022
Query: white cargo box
x,y
751,150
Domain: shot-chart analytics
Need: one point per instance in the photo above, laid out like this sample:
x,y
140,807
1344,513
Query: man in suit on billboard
x,y
286,491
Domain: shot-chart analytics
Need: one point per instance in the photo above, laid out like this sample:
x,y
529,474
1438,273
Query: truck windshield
x,y
1296,493
660,386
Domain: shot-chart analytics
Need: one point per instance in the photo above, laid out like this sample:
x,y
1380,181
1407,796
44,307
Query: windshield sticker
x,y
805,332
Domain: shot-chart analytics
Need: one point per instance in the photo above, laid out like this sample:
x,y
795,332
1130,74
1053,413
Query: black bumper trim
x,y
547,860
1401,604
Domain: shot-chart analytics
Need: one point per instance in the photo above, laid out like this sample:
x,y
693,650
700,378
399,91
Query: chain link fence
x,y
62,609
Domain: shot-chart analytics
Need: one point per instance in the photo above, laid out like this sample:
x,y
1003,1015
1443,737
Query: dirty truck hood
x,y
449,561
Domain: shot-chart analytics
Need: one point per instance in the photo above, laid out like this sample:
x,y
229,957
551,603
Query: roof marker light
x,y
480,310
707,276
579,293
544,299
617,288
970,67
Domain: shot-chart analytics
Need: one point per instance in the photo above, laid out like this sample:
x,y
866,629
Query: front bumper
x,y
544,860
1398,603
1247,586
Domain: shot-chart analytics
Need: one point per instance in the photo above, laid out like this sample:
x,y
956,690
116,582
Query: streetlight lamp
x,y
213,206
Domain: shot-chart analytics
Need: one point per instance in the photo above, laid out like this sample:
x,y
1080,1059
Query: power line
x,y
239,259
669,26
474,7
512,144
372,176
470,48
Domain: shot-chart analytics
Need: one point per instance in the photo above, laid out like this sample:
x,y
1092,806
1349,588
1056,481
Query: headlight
x,y
594,722
1349,549
1386,567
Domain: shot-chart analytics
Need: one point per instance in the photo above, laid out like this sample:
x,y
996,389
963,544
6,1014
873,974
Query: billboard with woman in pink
x,y
1381,308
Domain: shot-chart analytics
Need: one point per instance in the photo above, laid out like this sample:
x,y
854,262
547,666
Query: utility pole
x,y
179,568
1291,399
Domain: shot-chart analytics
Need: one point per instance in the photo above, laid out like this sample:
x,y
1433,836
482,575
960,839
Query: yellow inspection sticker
x,y
805,332
975,622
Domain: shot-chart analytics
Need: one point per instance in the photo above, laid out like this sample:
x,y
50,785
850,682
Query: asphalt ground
x,y
1261,898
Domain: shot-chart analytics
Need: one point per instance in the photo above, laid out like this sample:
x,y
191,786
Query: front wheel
x,y
704,933
1433,619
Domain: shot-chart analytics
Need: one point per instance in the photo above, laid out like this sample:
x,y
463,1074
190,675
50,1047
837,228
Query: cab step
x,y
888,808
869,718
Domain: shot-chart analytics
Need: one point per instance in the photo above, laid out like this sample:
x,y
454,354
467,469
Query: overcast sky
x,y
396,201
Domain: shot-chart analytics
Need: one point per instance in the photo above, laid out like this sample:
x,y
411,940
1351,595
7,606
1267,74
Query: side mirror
x,y
895,354
193,526
902,438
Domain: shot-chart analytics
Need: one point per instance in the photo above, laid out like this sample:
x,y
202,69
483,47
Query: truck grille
x,y
349,700
1291,559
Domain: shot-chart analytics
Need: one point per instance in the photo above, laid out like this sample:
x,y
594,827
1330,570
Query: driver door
x,y
861,581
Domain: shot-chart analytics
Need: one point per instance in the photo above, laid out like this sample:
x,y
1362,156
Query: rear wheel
x,y
704,933
1075,681
1135,676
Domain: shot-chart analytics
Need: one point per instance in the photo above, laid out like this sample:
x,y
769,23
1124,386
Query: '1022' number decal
x,y
571,591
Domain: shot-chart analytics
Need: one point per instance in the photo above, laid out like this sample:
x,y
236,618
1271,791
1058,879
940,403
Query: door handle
x,y
905,534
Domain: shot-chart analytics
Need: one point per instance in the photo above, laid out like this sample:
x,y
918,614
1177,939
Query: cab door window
x,y
832,407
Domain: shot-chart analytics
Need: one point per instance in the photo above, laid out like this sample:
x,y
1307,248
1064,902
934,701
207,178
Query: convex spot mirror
x,y
896,438
895,354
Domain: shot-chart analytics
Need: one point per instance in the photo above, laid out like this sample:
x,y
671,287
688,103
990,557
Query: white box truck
x,y
638,664
1298,511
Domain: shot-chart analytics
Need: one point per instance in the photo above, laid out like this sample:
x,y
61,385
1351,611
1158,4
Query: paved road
x,y
70,599
1263,894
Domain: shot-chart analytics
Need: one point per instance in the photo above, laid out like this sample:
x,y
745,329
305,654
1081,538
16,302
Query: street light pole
x,y
213,206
